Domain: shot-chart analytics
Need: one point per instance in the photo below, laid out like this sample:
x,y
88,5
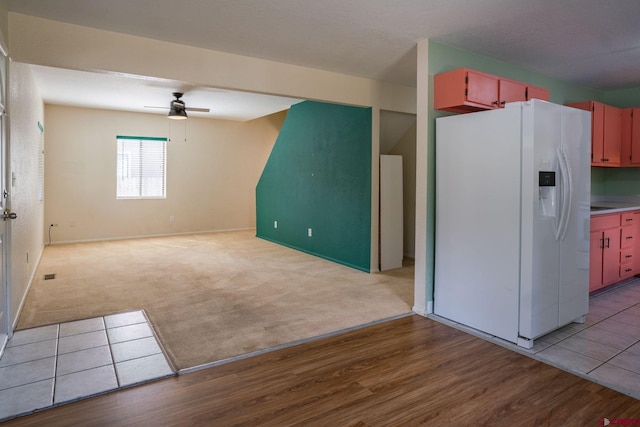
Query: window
x,y
141,168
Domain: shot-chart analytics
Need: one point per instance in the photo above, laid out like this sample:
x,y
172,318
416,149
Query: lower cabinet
x,y
627,244
613,247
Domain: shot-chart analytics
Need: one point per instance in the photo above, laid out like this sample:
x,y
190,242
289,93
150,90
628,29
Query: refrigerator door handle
x,y
567,197
567,186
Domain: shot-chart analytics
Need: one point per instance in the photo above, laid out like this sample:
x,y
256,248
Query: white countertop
x,y
601,207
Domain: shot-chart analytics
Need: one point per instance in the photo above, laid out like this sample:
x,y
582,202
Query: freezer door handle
x,y
566,193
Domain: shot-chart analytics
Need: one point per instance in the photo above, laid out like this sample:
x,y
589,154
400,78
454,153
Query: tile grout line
x,y
113,359
56,362
625,349
606,362
587,375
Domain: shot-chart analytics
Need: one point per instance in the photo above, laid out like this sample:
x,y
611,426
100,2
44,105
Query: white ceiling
x,y
595,43
134,93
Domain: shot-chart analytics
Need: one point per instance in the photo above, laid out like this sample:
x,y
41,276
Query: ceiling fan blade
x,y
197,110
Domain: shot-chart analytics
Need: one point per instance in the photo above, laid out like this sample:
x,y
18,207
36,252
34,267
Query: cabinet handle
x,y
495,103
629,237
604,160
628,256
627,270
608,242
503,102
629,219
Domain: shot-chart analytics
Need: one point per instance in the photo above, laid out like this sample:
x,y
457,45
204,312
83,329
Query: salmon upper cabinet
x,y
606,133
631,136
464,91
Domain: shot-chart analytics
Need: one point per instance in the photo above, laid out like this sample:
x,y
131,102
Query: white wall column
x,y
421,305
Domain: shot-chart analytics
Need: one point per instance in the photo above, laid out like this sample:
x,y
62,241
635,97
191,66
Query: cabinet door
x,y
595,260
482,89
612,135
511,91
634,134
611,256
625,149
597,133
636,245
535,92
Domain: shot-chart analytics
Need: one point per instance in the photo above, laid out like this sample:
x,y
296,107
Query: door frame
x,y
5,228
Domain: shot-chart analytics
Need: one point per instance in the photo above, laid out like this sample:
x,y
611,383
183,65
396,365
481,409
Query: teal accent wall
x,y
444,58
318,176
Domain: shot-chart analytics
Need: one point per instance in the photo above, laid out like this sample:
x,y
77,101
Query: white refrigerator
x,y
512,219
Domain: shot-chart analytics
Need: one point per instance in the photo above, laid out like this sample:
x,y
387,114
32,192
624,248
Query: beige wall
x,y
25,111
211,176
45,42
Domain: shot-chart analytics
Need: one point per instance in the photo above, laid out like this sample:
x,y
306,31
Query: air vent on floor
x,y
49,276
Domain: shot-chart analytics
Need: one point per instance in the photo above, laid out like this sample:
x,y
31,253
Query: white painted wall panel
x,y
391,212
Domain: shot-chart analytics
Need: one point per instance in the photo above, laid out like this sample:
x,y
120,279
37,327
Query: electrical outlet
x,y
309,232
275,224
172,218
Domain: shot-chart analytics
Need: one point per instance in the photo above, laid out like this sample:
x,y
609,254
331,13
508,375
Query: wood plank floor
x,y
410,371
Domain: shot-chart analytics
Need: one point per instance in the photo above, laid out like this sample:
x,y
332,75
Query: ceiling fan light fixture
x,y
177,113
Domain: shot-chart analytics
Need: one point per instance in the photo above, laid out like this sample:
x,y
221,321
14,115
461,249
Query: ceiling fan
x,y
178,109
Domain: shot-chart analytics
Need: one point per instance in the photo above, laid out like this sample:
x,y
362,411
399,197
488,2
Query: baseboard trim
x,y
316,254
424,311
147,236
23,300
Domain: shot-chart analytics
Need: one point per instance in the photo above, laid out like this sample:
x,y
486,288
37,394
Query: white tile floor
x,y
606,348
51,365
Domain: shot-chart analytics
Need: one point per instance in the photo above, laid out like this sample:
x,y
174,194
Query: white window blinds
x,y
141,168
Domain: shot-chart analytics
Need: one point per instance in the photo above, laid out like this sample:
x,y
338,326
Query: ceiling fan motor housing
x,y
177,108
177,103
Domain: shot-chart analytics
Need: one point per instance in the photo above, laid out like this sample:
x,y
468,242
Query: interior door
x,y
5,321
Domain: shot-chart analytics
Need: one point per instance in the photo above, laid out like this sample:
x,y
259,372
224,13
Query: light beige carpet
x,y
212,296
